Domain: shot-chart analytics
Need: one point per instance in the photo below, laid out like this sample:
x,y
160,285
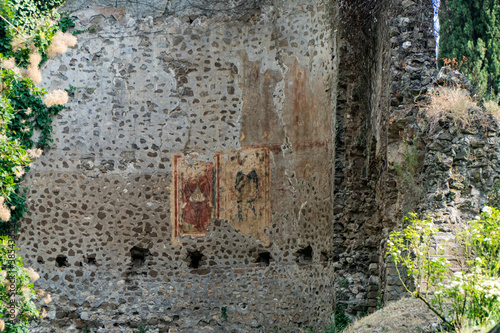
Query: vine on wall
x,y
31,32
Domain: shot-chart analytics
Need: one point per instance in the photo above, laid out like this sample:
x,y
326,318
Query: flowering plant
x,y
17,308
467,294
31,35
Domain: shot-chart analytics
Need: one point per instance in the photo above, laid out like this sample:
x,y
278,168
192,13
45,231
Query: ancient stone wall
x,y
226,166
361,131
397,66
453,173
413,71
189,185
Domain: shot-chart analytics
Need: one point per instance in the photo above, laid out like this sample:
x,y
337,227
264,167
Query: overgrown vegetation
x,y
16,288
341,321
464,296
453,103
25,108
30,34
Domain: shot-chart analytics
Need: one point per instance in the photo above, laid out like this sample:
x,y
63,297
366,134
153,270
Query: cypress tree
x,y
470,34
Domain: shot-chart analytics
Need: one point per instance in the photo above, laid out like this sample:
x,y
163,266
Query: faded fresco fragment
x,y
235,187
194,198
245,185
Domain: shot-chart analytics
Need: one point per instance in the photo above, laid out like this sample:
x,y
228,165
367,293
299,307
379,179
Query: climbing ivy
x,y
31,32
27,24
32,114
27,31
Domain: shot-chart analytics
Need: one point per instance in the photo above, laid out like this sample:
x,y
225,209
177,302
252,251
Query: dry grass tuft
x,y
451,102
493,108
407,315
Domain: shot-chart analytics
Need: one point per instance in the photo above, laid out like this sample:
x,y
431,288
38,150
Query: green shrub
x,y
463,296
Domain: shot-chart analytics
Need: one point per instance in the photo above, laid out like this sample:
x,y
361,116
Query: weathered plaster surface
x,y
155,79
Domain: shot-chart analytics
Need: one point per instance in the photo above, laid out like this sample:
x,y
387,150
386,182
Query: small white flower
x,y
487,210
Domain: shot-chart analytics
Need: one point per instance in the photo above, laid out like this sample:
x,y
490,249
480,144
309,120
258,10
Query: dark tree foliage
x,y
470,33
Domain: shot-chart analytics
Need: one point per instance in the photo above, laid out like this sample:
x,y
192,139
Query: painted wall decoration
x,y
194,198
245,199
234,187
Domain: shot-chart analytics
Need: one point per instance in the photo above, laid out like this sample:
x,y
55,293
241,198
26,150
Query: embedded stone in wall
x,y
245,187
